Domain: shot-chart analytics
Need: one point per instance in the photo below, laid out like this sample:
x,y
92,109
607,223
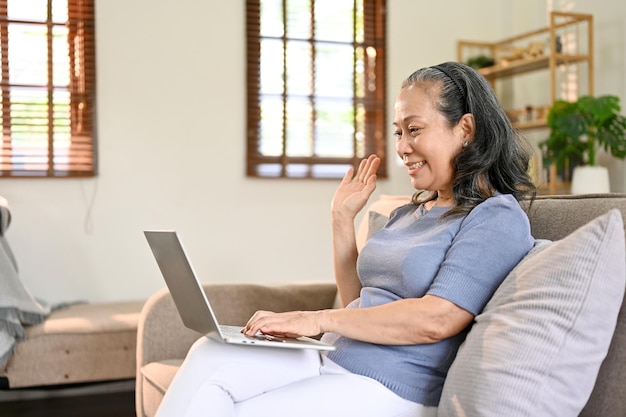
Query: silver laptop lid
x,y
187,292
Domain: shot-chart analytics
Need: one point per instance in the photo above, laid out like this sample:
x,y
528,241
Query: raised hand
x,y
355,189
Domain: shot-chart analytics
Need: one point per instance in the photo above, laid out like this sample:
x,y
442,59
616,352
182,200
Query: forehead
x,y
417,97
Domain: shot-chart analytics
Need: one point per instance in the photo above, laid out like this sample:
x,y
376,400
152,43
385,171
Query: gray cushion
x,y
537,347
376,222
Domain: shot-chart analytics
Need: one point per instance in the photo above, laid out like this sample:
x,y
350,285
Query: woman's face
x,y
425,142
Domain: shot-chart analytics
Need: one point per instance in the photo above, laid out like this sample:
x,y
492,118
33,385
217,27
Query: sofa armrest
x,y
160,331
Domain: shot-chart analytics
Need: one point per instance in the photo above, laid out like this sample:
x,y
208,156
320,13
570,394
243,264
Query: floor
x,y
119,404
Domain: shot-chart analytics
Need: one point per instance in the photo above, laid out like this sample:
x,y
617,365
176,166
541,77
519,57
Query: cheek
x,y
444,160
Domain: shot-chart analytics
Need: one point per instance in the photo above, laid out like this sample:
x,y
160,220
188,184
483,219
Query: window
x,y
47,88
316,86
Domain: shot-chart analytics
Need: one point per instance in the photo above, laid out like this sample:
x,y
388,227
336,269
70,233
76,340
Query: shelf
x,y
562,52
531,124
559,188
522,66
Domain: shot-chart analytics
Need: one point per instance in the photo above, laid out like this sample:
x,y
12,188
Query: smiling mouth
x,y
416,165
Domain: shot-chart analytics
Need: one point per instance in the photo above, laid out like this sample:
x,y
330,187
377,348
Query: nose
x,y
403,147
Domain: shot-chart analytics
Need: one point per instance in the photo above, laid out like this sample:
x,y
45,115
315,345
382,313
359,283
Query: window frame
x,y
49,159
373,102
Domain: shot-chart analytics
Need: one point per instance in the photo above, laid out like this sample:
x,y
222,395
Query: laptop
x,y
193,305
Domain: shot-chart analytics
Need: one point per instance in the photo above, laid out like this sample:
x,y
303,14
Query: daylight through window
x,y
47,88
316,78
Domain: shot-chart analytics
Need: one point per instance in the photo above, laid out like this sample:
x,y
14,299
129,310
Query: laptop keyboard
x,y
230,330
236,331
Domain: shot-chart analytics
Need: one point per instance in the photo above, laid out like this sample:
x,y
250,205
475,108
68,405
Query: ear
x,y
467,125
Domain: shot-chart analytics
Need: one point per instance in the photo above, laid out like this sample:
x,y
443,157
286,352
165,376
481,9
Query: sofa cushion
x,y
81,343
157,377
538,345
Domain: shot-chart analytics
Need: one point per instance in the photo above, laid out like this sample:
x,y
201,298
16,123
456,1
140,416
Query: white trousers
x,y
220,380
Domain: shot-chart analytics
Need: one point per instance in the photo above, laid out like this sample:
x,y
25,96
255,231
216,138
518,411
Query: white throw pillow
x,y
537,347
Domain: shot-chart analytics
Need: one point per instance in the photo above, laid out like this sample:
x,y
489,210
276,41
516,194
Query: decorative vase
x,y
590,180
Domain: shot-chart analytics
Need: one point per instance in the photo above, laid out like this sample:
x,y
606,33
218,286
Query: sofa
x,y
592,382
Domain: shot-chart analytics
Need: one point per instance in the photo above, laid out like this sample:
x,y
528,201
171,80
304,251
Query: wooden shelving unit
x,y
565,45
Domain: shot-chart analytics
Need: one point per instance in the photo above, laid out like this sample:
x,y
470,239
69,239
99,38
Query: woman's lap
x,y
331,394
242,371
273,382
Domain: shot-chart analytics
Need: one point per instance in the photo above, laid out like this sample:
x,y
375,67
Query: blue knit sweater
x,y
462,260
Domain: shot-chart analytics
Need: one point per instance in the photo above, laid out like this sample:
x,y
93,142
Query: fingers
x,y
371,178
367,169
362,171
348,177
261,322
251,327
374,165
290,323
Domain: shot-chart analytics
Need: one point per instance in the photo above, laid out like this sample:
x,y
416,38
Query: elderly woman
x,y
411,294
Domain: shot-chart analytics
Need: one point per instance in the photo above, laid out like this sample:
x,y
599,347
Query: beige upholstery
x,y
81,343
163,341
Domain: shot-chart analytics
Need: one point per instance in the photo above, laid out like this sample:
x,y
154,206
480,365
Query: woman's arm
x,y
428,319
344,260
350,198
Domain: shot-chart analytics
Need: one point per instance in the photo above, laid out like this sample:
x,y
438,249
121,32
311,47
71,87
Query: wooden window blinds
x,y
316,86
48,88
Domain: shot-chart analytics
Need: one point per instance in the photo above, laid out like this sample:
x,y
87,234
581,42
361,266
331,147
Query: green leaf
x,y
578,128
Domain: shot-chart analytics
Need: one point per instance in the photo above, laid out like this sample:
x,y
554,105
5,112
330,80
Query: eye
x,y
413,130
397,134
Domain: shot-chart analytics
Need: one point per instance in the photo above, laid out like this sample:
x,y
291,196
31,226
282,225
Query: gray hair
x,y
498,157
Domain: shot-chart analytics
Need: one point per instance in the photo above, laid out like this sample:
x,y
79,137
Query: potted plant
x,y
577,130
480,61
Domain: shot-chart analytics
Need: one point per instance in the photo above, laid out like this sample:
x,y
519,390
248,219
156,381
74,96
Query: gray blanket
x,y
17,305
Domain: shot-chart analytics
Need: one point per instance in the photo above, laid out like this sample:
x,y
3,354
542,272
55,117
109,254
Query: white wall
x,y
172,155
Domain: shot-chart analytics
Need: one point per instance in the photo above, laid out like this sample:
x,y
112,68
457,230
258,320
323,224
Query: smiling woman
x,y
410,295
48,88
